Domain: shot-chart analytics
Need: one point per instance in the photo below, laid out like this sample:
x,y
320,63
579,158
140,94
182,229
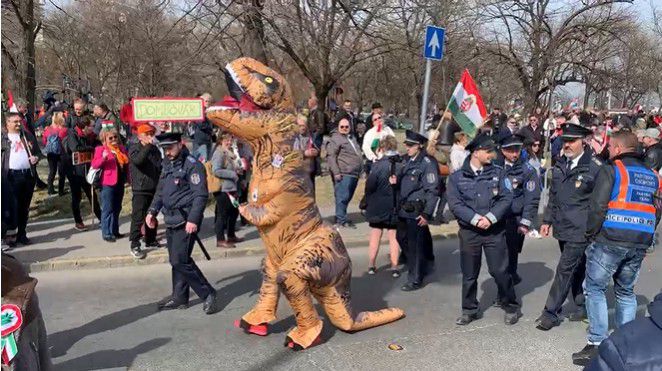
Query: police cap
x,y
507,139
481,141
574,131
412,137
167,139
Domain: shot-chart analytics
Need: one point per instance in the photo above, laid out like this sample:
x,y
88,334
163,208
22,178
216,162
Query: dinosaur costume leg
x,y
264,310
297,292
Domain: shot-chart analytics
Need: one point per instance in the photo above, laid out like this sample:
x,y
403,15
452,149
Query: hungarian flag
x,y
467,106
10,102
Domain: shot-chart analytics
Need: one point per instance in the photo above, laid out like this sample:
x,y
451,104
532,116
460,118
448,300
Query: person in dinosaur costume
x,y
305,257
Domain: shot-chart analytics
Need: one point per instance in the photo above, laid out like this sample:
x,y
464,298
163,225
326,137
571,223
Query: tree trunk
x,y
254,31
26,82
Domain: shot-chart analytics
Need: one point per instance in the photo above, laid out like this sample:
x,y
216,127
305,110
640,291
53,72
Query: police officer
x,y
479,199
573,178
182,196
418,180
522,180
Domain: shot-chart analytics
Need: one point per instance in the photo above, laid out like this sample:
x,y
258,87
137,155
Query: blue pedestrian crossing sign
x,y
434,43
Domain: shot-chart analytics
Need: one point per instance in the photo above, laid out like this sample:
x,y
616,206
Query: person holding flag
x,y
372,137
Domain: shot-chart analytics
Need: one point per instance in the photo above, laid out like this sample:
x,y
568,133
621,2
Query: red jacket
x,y
109,171
51,130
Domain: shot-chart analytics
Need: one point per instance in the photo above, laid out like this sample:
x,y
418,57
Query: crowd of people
x,y
603,193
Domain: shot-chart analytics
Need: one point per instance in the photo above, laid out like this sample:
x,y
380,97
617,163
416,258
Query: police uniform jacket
x,y
182,191
419,185
522,180
471,196
569,197
642,189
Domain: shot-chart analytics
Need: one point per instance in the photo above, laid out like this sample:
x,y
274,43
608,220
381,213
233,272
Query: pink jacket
x,y
108,166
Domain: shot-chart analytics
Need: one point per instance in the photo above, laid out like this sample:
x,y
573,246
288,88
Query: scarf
x,y
375,141
122,159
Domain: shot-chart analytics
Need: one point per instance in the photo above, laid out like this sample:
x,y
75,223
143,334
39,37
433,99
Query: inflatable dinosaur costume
x,y
305,257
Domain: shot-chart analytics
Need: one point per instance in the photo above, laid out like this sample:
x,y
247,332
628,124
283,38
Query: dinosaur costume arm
x,y
263,215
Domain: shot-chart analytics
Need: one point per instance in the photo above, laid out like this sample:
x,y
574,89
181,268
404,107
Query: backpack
x,y
214,183
53,145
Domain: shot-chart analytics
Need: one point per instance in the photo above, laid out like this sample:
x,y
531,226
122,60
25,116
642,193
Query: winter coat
x,y
145,166
382,197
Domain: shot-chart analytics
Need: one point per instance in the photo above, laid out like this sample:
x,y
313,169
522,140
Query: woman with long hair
x,y
111,157
224,166
52,140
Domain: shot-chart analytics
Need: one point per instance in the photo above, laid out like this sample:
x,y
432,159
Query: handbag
x,y
93,176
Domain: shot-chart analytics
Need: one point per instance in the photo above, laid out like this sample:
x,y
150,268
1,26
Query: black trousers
x,y
140,203
55,165
493,243
569,277
416,243
514,241
22,184
225,217
79,186
185,273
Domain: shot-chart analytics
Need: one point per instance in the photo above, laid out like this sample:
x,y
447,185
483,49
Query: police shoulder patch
x,y
426,159
597,162
195,178
191,159
531,185
431,177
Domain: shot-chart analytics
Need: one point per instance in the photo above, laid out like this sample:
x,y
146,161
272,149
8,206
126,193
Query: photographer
x,y
381,202
418,180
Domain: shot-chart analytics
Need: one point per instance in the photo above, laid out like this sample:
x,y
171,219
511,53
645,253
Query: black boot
x,y
583,357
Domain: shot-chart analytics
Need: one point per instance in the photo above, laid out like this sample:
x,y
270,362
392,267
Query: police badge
x,y
515,183
578,182
495,191
195,178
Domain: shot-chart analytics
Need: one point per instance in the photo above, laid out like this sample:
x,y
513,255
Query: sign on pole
x,y
434,43
433,49
168,109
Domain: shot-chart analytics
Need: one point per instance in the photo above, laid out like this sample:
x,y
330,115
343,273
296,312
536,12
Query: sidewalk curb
x,y
160,256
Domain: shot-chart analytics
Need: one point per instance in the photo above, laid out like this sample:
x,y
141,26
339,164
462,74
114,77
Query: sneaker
x,y
349,225
395,273
534,234
137,253
583,357
80,227
111,239
372,270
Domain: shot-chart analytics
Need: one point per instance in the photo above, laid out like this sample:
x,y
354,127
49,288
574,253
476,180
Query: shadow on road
x,y
62,341
534,275
105,359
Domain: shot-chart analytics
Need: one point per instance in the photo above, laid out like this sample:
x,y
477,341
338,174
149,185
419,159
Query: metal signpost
x,y
433,49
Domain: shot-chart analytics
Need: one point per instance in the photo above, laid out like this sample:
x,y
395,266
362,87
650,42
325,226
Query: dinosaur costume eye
x,y
268,80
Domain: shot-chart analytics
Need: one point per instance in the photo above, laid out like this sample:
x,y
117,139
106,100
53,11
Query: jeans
x,y
111,205
604,262
344,191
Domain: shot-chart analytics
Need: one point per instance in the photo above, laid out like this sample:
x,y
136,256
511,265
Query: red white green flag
x,y
467,106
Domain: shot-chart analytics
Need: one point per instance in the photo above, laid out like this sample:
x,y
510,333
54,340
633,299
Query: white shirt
x,y
18,155
370,136
476,169
458,155
575,161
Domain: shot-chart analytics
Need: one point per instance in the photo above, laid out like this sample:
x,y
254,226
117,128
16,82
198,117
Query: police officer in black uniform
x,y
182,196
573,179
522,180
480,200
418,181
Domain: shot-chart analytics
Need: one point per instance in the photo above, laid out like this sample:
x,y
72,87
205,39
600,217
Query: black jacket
x,y
653,156
418,180
471,196
599,202
29,139
381,196
145,167
74,143
182,191
522,180
635,346
569,197
203,133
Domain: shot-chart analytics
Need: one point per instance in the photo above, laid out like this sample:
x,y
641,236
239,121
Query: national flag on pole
x,y
10,102
467,106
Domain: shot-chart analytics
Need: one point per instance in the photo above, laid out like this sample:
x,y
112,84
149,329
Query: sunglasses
x,y
343,127
535,145
113,137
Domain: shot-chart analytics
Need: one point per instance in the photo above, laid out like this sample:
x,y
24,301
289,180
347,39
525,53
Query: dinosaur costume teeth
x,y
305,257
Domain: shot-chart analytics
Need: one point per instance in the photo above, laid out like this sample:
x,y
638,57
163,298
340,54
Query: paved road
x,y
106,318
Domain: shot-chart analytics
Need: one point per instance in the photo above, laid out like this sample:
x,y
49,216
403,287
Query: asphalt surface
x,y
107,319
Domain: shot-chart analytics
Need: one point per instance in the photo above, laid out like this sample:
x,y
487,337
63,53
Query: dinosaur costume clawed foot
x,y
305,258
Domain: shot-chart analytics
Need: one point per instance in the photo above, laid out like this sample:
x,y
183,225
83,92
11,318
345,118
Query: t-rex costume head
x,y
305,257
